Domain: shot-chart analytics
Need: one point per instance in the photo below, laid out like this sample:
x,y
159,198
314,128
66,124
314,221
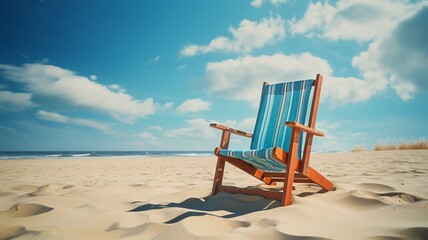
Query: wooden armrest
x,y
232,130
304,128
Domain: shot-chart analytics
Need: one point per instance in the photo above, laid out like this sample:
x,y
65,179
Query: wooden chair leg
x,y
219,170
218,176
291,168
320,179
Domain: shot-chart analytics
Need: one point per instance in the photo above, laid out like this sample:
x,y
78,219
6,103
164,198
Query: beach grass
x,y
408,145
411,145
359,149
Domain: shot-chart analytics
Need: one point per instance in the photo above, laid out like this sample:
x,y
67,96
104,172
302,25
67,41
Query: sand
x,y
380,195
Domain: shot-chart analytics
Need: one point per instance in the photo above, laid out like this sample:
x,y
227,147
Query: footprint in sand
x,y
26,210
398,198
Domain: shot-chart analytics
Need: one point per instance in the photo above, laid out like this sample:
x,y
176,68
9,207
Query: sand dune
x,y
380,195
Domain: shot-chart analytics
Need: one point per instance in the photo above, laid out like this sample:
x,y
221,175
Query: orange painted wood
x,y
219,170
251,191
312,120
304,128
232,130
320,179
292,163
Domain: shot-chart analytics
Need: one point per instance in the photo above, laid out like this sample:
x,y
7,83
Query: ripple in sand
x,y
145,231
376,187
15,232
26,210
415,233
201,227
50,189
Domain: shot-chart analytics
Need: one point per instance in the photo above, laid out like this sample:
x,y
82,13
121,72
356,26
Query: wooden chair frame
x,y
297,171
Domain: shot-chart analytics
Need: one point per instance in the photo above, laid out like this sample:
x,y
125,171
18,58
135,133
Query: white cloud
x,y
55,84
246,125
246,37
242,78
360,20
105,128
259,3
167,106
155,59
116,88
193,105
398,51
56,117
52,116
147,136
400,57
196,129
156,128
15,102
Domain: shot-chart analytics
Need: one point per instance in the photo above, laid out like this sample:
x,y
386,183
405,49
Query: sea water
x,y
99,154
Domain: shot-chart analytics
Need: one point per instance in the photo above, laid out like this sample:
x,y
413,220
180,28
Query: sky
x,y
152,75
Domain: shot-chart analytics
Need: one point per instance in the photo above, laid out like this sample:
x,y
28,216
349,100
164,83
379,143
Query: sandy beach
x,y
380,195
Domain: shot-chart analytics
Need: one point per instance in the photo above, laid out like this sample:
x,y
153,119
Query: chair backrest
x,y
280,103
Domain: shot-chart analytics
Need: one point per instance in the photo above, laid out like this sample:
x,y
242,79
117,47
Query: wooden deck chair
x,y
281,143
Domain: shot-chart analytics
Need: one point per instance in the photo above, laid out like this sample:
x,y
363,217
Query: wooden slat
x,y
232,130
292,164
319,179
251,191
219,170
305,128
312,120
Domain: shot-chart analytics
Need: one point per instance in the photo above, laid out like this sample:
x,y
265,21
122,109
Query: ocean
x,y
8,155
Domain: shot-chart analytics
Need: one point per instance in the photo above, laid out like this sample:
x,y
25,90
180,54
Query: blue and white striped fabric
x,y
279,103
261,159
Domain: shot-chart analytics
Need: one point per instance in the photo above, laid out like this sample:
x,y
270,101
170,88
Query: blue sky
x,y
152,75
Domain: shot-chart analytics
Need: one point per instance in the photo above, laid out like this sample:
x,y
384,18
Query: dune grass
x,y
358,149
409,145
415,145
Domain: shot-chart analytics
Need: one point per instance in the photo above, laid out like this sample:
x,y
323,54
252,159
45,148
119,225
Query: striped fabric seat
x,y
279,103
261,159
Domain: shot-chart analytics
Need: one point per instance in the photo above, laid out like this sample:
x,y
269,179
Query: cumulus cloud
x,y
360,20
56,117
53,84
15,102
401,56
193,105
247,36
242,78
398,51
196,129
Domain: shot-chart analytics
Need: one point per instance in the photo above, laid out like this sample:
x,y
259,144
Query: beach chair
x,y
281,143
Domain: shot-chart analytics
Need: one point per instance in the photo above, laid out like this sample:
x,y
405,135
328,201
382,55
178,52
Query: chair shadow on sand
x,y
224,205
